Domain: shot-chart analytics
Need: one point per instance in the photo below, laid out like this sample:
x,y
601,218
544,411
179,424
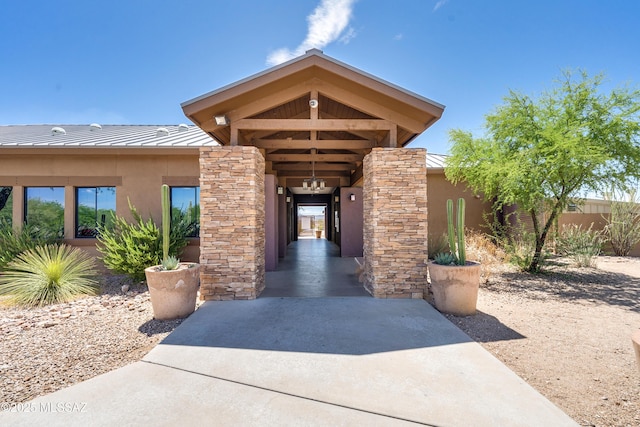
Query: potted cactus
x,y
173,285
454,280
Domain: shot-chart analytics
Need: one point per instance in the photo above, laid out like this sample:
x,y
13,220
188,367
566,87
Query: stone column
x,y
395,222
232,232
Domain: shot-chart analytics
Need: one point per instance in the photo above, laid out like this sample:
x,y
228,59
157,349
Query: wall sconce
x,y
336,199
280,189
288,199
352,197
221,120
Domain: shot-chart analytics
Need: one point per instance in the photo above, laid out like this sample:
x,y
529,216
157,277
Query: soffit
x,y
356,112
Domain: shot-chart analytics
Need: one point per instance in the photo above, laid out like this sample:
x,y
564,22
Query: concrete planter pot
x,y
635,338
173,292
455,287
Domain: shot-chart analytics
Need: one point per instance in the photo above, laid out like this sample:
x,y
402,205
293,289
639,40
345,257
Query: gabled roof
x,y
340,82
108,136
313,116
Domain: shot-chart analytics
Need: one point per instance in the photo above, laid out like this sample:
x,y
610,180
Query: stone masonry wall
x,y
395,222
232,233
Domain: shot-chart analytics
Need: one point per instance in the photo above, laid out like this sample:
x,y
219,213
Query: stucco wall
x,y
439,190
136,174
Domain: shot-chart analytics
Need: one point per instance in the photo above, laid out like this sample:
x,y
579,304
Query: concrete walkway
x,y
313,361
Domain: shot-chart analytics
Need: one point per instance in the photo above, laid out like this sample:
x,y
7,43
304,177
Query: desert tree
x,y
542,153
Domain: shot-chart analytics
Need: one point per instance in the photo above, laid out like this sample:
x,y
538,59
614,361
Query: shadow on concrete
x,y
483,327
353,326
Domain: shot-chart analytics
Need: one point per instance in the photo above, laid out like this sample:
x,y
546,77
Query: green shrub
x,y
48,274
623,226
13,242
520,250
129,248
582,246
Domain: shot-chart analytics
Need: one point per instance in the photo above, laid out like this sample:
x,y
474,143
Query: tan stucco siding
x,y
137,178
438,191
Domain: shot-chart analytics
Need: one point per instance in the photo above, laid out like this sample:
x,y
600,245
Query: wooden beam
x,y
350,158
330,182
309,124
319,174
372,108
319,166
331,144
357,175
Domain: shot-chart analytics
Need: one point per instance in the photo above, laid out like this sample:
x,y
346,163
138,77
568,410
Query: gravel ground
x,y
568,334
46,349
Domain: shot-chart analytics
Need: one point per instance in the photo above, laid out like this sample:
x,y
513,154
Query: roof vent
x,y
58,131
182,127
162,132
95,126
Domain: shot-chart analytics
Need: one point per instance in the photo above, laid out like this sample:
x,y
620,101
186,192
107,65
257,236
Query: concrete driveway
x,y
294,361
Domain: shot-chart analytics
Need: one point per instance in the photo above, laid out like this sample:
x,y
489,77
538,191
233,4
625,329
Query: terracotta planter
x,y
635,338
318,234
455,287
173,293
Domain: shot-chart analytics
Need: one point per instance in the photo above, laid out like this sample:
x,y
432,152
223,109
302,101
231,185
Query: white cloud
x,y
398,37
326,24
440,4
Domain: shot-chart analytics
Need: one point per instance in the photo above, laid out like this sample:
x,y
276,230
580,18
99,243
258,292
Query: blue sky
x,y
135,61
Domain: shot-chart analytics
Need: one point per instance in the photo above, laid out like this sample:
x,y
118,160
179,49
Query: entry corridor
x,y
313,268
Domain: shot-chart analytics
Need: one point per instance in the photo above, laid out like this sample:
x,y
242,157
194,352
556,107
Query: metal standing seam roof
x,y
121,136
110,136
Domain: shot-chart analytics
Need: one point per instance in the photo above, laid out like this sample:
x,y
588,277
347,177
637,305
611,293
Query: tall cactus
x,y
450,227
456,233
462,253
166,221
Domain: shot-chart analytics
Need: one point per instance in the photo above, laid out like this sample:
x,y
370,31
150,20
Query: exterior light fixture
x,y
313,103
280,189
336,199
352,197
221,120
288,199
313,183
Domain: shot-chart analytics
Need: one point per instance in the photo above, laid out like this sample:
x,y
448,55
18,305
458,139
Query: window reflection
x,y
185,205
44,209
95,207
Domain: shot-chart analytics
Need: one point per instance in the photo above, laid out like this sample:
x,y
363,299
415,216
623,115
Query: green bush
x,y
48,274
13,242
582,246
520,250
129,248
623,226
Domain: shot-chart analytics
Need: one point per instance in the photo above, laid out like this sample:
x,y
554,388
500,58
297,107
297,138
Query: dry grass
x,y
482,249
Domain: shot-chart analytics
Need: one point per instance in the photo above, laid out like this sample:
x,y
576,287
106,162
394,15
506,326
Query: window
x,y
44,209
6,205
185,204
94,208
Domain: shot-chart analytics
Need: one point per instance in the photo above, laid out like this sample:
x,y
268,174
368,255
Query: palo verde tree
x,y
543,153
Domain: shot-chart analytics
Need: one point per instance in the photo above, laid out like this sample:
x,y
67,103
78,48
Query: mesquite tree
x,y
543,153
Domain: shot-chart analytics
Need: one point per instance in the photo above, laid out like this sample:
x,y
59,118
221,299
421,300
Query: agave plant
x,y
48,274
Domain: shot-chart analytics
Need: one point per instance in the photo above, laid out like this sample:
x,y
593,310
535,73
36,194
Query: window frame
x,y
61,233
76,224
196,189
